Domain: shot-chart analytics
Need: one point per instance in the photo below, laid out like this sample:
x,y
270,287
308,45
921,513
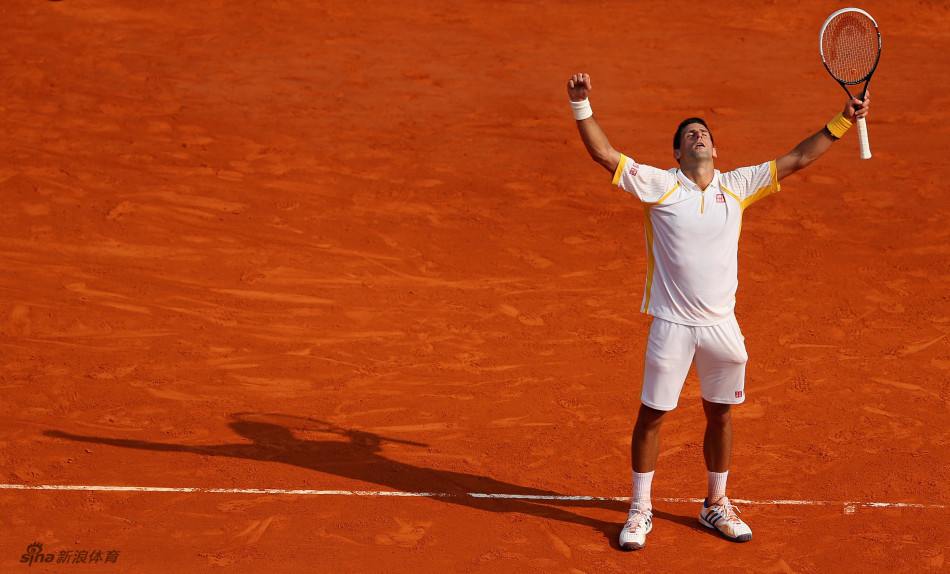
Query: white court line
x,y
849,507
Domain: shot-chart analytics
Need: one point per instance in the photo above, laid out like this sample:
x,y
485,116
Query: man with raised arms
x,y
693,215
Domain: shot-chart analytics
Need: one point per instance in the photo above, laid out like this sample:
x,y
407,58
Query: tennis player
x,y
693,214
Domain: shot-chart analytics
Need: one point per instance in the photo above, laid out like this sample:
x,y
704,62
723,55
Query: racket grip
x,y
863,139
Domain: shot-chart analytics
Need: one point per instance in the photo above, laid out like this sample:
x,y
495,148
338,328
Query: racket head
x,y
850,44
307,428
291,422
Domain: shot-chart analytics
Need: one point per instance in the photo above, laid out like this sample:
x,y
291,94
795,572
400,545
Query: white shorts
x,y
718,352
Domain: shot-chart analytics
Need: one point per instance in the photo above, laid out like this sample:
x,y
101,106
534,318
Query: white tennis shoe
x,y
639,524
724,517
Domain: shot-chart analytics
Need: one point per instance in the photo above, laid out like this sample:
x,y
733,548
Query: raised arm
x,y
595,140
812,147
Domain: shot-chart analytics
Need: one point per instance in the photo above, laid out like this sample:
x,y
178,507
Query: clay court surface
x,y
326,280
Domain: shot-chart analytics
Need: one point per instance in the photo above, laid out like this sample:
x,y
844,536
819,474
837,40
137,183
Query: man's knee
x,y
717,414
649,419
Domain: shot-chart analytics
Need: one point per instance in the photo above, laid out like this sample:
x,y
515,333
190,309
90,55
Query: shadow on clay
x,y
357,455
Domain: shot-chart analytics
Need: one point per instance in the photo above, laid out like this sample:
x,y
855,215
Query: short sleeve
x,y
646,182
750,184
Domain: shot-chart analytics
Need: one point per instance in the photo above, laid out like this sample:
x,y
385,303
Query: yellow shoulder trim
x,y
764,191
668,193
619,170
734,196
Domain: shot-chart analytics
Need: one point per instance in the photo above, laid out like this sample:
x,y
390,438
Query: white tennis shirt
x,y
692,237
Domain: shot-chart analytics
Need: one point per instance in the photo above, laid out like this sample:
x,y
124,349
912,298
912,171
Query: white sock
x,y
717,485
641,489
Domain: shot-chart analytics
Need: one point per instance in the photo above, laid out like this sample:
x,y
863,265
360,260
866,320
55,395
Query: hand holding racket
x,y
850,44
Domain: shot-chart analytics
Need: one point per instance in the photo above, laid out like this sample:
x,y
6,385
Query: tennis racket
x,y
850,44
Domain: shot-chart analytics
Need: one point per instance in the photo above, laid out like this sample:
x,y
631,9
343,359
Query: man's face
x,y
695,143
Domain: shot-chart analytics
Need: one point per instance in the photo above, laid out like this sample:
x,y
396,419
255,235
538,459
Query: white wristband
x,y
582,109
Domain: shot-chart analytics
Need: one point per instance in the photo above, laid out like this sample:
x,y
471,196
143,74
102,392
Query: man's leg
x,y
645,447
720,363
717,511
644,450
717,442
669,354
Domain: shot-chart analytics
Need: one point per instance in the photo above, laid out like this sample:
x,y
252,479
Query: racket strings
x,y
850,47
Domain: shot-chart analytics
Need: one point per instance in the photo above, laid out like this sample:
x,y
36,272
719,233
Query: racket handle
x,y
863,139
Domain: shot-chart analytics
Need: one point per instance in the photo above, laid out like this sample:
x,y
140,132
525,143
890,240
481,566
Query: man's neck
x,y
701,173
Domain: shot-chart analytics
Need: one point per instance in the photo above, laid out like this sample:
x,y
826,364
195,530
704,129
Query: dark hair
x,y
677,137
